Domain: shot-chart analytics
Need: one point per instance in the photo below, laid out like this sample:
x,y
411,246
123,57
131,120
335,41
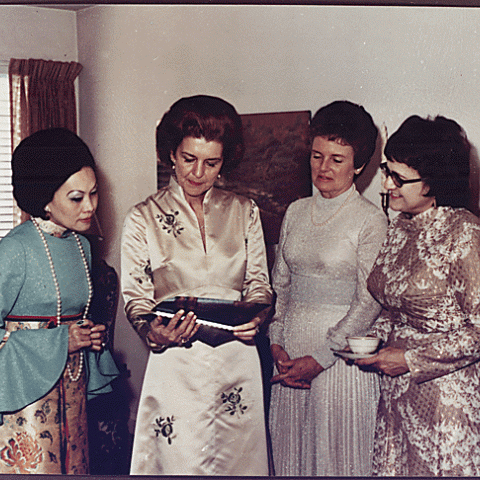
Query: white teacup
x,y
363,345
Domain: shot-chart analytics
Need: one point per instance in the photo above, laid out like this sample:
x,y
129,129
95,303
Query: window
x,y
7,210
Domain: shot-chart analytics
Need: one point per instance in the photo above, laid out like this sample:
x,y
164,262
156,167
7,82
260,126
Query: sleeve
x,y
101,371
364,309
256,286
458,347
281,286
137,283
382,326
31,361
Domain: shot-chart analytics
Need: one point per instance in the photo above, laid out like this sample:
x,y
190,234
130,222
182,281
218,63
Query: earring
x,y
47,209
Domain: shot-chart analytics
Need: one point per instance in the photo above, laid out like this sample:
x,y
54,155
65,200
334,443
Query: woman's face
x,y
75,202
332,166
197,166
409,198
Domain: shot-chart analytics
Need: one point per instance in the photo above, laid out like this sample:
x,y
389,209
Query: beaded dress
x,y
326,250
44,427
427,277
201,408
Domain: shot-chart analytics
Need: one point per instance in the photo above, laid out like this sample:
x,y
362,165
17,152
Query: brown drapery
x,y
42,95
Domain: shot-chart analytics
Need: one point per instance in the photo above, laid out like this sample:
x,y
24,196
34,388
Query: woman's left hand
x,y
301,371
97,337
247,331
389,360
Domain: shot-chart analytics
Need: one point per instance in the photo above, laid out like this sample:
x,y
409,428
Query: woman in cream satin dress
x,y
323,410
201,408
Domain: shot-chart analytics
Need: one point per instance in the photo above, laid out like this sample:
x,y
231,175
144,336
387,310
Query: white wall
x,y
35,32
139,59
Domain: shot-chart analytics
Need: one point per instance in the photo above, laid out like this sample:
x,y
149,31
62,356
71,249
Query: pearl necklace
x,y
73,378
321,224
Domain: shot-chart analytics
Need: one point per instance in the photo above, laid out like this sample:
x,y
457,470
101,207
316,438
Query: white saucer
x,y
352,356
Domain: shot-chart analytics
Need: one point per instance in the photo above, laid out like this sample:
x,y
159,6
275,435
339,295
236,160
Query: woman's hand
x,y
296,373
247,331
79,335
389,360
279,356
97,336
172,334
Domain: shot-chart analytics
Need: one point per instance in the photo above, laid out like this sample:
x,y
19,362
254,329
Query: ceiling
x,y
69,6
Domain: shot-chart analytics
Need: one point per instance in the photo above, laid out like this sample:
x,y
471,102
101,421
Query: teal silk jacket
x,y
31,360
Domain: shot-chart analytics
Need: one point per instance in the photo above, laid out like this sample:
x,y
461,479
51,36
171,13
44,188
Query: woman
x,y
51,355
427,278
201,409
323,410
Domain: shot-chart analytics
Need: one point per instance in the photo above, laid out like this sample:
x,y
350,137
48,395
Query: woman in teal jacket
x,y
52,356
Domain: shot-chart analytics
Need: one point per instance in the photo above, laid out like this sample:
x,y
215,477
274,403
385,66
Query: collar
x,y
52,228
418,221
177,190
335,202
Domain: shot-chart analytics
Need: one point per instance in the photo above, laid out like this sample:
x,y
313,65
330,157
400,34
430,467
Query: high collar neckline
x,y
419,220
323,202
53,228
178,190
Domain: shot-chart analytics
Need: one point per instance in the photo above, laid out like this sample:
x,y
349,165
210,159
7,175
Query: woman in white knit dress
x,y
323,410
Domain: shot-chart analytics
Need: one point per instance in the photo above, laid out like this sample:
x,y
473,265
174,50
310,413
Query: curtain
x,y
42,95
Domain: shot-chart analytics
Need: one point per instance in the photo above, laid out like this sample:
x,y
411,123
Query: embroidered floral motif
x,y
170,222
23,453
42,413
233,401
142,272
47,434
21,421
165,427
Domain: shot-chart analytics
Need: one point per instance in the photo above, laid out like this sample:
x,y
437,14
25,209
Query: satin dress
x,y
327,248
201,408
427,277
43,427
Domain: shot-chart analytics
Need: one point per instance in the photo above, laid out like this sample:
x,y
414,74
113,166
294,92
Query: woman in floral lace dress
x,y
427,277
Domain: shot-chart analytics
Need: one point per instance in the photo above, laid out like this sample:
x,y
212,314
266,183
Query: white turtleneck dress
x,y
326,250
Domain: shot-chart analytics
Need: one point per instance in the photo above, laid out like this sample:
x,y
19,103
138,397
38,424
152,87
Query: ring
x,y
183,341
104,344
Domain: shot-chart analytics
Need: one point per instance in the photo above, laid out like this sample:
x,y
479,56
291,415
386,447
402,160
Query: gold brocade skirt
x,y
50,435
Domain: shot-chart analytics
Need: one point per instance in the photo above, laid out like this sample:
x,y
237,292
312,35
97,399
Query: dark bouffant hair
x,y
350,123
42,163
202,116
439,151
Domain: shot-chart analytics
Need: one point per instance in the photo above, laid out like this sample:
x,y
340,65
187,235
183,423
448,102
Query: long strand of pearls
x,y
76,377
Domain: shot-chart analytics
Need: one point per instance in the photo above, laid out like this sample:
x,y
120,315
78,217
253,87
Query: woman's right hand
x,y
279,356
79,335
171,334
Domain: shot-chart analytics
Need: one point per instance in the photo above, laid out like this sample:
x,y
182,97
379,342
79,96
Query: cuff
x,y
324,355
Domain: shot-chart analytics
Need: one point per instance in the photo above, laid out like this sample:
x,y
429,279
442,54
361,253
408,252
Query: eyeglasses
x,y
396,179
